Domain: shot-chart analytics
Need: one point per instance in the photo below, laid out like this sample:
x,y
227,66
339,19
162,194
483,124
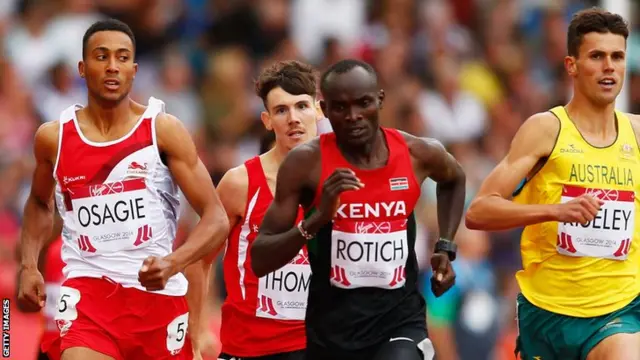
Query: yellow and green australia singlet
x,y
584,270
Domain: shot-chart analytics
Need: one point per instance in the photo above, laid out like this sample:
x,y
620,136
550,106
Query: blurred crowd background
x,y
467,72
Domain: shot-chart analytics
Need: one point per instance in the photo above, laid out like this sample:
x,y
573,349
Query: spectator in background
x,y
464,323
66,29
176,88
18,120
452,115
57,92
230,111
28,37
312,21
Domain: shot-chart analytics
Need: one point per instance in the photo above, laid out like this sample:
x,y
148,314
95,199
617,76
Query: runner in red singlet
x,y
114,168
264,318
359,186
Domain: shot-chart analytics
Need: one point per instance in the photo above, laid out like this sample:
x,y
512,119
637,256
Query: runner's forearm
x,y
496,213
444,341
450,197
36,229
271,252
207,236
196,274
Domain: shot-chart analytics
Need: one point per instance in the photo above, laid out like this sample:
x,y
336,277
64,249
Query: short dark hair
x,y
292,76
107,25
344,66
593,20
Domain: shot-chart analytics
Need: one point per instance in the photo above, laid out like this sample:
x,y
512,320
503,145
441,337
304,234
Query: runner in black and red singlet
x,y
263,318
359,186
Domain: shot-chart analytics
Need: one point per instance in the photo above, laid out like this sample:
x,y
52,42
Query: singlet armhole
x,y
154,139
409,163
622,115
247,198
396,136
59,151
541,163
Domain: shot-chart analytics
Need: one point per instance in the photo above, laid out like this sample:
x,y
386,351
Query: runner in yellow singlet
x,y
579,206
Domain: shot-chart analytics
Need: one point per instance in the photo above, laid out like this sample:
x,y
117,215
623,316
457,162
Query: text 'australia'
x,y
601,174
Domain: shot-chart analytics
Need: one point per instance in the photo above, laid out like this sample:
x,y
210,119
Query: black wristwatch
x,y
447,246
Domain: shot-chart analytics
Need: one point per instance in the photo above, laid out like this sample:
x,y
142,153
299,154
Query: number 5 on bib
x,y
176,333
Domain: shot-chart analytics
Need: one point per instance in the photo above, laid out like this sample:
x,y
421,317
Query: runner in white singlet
x,y
115,167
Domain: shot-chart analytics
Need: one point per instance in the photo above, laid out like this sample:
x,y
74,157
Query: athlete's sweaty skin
x,y
109,115
57,229
352,102
600,56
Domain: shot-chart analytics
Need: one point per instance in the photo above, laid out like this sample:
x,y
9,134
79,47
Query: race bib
x,y
177,334
282,294
51,305
608,235
369,254
66,308
111,217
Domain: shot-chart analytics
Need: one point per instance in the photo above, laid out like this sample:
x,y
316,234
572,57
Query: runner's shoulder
x,y
233,189
303,157
165,119
46,140
543,124
48,132
167,124
421,143
539,133
172,133
634,119
235,179
301,165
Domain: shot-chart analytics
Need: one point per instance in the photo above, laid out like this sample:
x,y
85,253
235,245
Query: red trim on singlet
x,y
242,333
